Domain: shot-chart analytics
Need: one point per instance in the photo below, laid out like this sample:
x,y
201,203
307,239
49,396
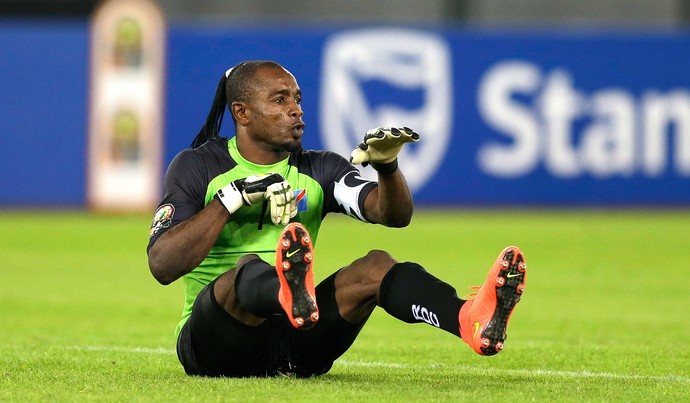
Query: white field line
x,y
370,364
528,372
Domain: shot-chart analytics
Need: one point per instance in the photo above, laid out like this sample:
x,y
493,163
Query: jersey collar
x,y
279,166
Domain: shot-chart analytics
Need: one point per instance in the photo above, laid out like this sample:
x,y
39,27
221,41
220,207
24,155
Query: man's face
x,y
274,112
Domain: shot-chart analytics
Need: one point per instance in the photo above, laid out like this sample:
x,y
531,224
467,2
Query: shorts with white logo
x,y
213,343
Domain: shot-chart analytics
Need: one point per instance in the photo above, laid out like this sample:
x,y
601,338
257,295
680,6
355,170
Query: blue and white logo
x,y
388,77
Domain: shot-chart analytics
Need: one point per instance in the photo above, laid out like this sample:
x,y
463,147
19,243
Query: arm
x,y
390,203
182,248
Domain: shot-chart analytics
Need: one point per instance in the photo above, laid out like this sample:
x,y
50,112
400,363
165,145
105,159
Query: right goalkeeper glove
x,y
257,188
381,146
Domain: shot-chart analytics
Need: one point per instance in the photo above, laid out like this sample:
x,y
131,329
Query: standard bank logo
x,y
388,77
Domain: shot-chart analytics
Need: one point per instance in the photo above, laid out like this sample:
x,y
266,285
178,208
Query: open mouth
x,y
298,128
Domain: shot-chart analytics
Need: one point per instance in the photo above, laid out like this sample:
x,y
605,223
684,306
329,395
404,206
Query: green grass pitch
x,y
604,316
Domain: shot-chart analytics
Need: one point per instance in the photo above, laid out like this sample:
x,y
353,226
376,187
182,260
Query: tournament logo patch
x,y
301,199
162,218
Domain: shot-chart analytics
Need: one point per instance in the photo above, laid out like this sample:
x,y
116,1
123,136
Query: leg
x,y
214,343
357,286
407,292
257,290
348,297
315,350
264,282
229,334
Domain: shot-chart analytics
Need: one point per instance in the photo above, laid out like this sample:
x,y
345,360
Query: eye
x,y
298,100
280,99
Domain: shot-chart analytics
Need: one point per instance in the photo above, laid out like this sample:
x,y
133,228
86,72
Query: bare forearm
x,y
391,203
185,246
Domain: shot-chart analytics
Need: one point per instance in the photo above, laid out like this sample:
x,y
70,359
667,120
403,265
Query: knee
x,y
367,272
379,262
246,259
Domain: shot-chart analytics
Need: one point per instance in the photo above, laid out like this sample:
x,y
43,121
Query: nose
x,y
296,110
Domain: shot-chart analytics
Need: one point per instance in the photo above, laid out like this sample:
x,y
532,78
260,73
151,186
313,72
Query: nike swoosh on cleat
x,y
476,329
509,275
290,254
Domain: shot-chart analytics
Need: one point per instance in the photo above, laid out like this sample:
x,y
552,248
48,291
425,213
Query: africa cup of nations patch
x,y
162,218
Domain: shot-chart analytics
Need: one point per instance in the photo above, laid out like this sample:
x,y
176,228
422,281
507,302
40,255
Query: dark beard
x,y
292,146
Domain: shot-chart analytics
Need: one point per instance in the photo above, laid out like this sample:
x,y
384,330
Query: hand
x,y
282,201
257,188
382,145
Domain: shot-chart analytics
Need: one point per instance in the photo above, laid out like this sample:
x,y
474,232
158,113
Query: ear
x,y
240,112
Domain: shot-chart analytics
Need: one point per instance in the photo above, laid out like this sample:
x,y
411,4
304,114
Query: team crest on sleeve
x,y
301,199
162,218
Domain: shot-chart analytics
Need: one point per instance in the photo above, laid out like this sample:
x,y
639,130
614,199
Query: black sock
x,y
257,286
411,294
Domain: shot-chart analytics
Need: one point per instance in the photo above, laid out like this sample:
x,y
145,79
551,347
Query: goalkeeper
x,y
238,222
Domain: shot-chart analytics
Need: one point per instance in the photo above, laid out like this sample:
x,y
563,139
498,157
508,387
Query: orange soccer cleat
x,y
294,259
484,319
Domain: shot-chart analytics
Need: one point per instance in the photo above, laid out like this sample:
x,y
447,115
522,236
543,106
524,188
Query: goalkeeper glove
x,y
381,146
282,200
257,188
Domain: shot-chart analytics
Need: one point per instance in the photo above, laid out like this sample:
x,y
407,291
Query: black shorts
x,y
213,343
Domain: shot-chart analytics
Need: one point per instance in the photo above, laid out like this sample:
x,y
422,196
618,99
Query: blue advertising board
x,y
43,91
506,117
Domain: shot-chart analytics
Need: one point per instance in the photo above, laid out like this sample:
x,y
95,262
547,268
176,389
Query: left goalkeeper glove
x,y
282,200
382,145
270,187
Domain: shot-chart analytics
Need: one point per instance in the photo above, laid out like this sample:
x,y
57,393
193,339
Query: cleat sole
x,y
297,294
507,296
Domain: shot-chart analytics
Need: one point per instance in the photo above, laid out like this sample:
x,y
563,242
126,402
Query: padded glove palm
x,y
382,145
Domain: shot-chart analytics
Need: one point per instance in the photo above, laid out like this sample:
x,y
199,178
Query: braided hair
x,y
234,86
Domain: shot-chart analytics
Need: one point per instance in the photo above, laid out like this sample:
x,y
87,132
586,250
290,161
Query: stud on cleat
x,y
286,266
314,317
486,342
285,243
520,289
305,240
299,321
522,267
499,346
505,265
500,281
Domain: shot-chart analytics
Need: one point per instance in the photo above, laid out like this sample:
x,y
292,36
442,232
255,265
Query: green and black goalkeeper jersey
x,y
323,182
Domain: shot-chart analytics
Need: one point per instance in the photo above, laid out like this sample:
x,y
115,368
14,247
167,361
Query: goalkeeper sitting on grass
x,y
238,222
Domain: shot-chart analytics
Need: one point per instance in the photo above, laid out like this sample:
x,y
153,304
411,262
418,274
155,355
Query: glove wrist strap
x,y
387,168
231,197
